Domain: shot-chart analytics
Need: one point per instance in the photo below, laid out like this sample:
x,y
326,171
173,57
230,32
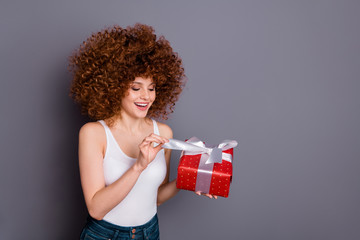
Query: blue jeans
x,y
103,230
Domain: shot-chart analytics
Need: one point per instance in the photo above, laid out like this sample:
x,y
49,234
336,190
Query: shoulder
x,y
92,130
165,130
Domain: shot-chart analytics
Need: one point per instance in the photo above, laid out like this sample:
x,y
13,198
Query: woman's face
x,y
139,97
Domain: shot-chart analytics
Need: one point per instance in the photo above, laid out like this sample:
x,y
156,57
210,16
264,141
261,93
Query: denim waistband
x,y
111,230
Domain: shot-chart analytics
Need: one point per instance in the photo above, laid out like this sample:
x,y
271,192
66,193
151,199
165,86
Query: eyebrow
x,y
142,83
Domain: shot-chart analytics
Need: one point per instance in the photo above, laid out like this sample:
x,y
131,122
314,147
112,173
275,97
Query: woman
x,y
122,79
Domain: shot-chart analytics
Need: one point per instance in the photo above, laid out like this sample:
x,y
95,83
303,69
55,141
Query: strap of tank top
x,y
107,133
103,123
156,129
106,129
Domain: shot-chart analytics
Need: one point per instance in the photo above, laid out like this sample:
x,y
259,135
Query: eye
x,y
135,89
152,89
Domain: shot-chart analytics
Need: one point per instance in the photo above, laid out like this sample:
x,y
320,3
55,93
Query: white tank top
x,y
140,205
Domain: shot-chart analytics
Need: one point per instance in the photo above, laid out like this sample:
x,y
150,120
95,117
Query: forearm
x,y
166,191
108,197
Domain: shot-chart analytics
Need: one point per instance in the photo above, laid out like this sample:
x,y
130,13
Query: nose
x,y
145,94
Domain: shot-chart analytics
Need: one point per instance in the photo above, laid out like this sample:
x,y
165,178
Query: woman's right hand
x,y
147,150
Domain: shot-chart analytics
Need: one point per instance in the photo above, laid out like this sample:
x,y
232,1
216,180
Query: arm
x,y
100,199
167,189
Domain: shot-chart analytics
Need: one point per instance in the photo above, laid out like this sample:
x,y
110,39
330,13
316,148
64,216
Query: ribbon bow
x,y
194,146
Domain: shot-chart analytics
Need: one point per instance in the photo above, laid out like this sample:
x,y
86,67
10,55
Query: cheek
x,y
127,100
131,96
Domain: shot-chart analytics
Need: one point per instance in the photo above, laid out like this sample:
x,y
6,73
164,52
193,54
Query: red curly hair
x,y
107,62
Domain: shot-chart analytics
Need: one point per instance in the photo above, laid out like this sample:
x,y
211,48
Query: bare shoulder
x,y
92,130
165,130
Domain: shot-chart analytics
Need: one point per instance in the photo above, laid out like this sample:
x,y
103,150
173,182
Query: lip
x,y
142,108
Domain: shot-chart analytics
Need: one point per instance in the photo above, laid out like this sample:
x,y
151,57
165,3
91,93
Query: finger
x,y
206,194
158,147
209,195
149,140
155,138
163,139
166,140
144,144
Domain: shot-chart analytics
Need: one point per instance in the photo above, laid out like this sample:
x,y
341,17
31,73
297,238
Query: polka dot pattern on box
x,y
220,179
187,172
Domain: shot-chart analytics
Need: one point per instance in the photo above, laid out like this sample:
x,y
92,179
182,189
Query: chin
x,y
142,115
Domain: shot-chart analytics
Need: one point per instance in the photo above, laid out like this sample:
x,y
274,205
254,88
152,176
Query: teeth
x,y
141,104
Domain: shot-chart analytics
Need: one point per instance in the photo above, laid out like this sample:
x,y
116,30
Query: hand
x,y
148,151
206,194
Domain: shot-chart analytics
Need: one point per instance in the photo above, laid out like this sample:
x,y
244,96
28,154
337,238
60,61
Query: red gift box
x,y
215,178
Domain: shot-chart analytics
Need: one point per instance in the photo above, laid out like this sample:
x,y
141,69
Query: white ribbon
x,y
194,146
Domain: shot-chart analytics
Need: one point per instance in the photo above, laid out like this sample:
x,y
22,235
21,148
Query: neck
x,y
128,123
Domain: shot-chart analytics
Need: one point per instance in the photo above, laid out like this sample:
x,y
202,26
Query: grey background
x,y
280,77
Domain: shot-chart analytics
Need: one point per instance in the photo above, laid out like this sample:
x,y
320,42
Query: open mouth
x,y
142,106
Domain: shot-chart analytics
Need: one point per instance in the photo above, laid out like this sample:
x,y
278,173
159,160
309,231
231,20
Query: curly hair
x,y
108,61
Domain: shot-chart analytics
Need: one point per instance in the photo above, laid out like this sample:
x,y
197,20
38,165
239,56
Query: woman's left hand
x,y
206,194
